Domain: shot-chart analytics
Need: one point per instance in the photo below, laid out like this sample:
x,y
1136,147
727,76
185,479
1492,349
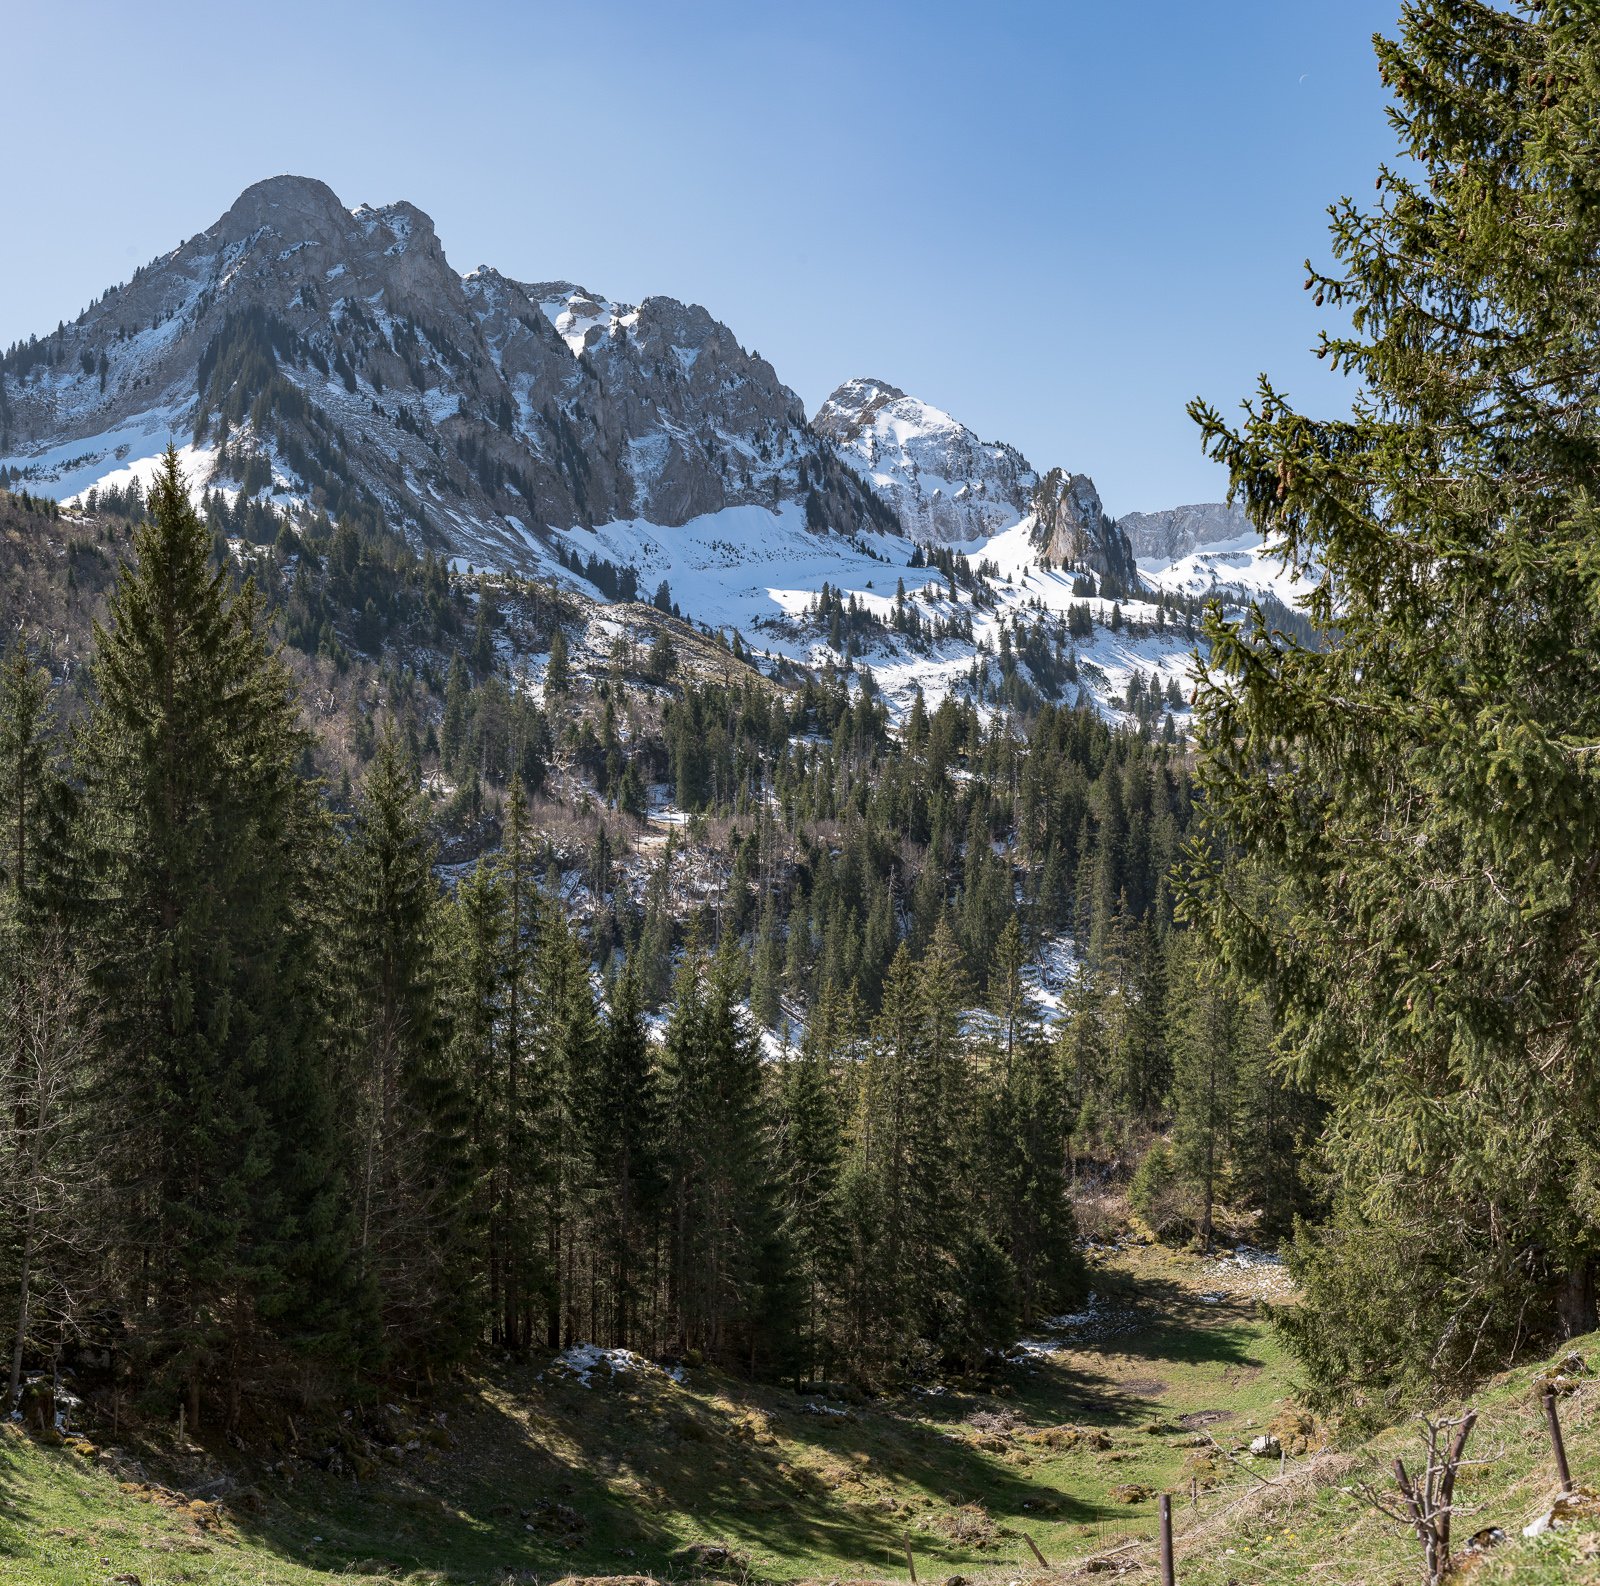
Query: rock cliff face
x,y
337,352
1173,534
943,483
1070,526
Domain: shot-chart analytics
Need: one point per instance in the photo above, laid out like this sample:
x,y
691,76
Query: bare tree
x,y
51,1151
1429,1499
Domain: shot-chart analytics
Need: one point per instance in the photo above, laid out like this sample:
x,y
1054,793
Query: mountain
x,y
320,365
1173,534
948,487
1070,526
944,484
381,385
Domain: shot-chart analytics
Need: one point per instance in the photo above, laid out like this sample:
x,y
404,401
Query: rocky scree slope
x,y
335,355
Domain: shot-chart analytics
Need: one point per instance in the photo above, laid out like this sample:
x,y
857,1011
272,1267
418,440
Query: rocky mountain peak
x,y
299,206
853,406
943,483
334,357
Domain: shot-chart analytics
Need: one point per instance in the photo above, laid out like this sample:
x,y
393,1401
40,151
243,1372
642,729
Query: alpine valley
x,y
599,972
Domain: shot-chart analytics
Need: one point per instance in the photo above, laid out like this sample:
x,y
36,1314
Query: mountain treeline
x,y
279,1102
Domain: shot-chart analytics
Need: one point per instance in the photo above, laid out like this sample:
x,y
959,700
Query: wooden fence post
x,y
1556,1443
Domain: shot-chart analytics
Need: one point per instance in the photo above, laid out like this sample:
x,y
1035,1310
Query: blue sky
x,y
1057,222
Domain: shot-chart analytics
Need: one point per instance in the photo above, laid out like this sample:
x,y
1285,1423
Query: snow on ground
x,y
133,450
1049,978
583,1360
1244,565
1248,1274
1101,1317
756,570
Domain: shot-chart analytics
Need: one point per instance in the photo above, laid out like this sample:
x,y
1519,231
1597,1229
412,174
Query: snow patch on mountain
x,y
1236,570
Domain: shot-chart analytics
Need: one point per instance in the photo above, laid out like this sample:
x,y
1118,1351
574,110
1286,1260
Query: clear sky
x,y
1058,222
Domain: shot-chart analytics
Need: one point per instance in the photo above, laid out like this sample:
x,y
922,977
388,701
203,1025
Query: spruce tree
x,y
565,1039
620,1120
810,1140
31,794
662,660
508,1103
1206,1032
454,731
1424,791
404,1105
201,849
557,679
483,632
766,978
722,1192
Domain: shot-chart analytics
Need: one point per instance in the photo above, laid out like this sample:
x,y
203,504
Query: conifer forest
x,y
412,970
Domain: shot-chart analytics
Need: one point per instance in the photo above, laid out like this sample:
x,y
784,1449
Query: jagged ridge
x,y
370,377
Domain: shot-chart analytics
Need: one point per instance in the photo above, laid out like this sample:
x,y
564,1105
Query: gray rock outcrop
x,y
1179,530
341,347
1071,528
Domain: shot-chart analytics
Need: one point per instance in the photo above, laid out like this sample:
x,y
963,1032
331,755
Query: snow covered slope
x,y
757,573
944,484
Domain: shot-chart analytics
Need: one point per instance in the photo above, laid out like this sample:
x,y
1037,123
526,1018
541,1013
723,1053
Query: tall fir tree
x,y
1423,793
200,840
405,1104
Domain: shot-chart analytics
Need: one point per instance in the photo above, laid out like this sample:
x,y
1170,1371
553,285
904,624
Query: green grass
x,y
641,1466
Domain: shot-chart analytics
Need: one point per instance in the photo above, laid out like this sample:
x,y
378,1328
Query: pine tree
x,y
1205,1028
508,1102
662,660
620,1121
202,847
454,732
766,978
810,1137
566,1040
1013,1017
483,632
722,1196
405,1106
31,794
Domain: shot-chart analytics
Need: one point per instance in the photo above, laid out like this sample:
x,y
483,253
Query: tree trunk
x,y
22,1302
1575,1300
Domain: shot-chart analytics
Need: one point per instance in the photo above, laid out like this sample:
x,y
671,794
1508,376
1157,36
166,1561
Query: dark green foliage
x,y
1417,802
200,847
615,583
557,678
663,659
404,1105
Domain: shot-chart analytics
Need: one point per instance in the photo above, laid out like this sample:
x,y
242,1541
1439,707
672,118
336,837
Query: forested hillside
x,y
768,1083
